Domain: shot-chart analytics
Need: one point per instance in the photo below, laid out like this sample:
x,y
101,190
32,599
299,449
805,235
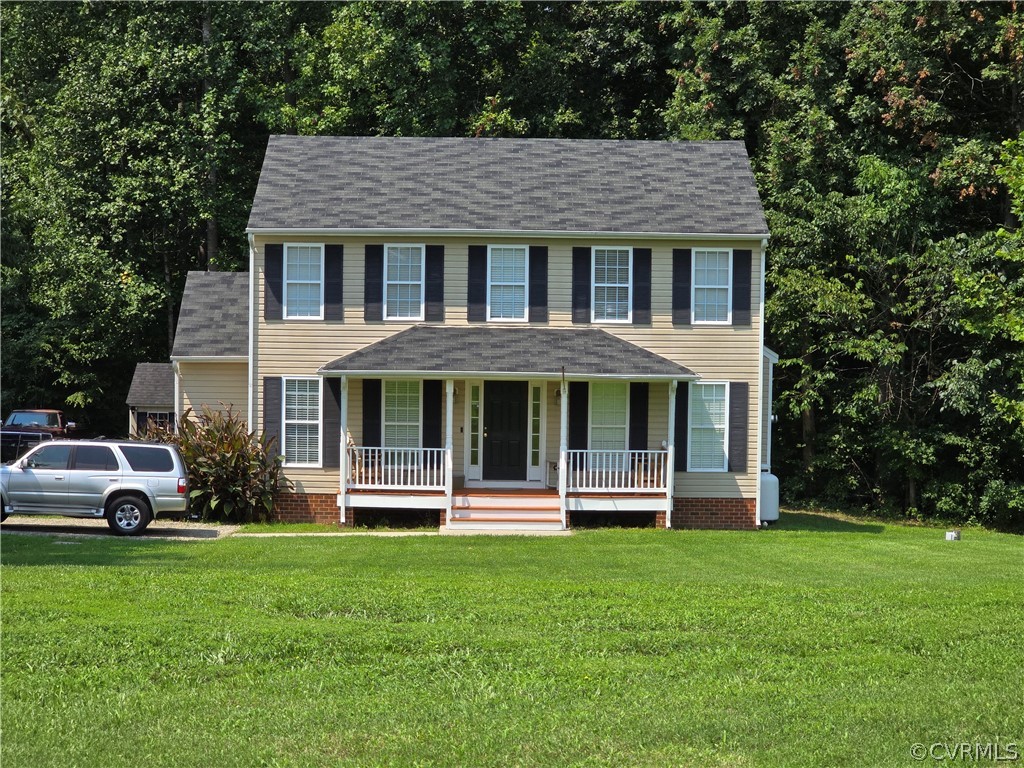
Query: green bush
x,y
233,473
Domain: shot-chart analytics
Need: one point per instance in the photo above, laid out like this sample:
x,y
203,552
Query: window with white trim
x,y
304,281
507,268
401,414
609,422
712,273
708,451
613,287
302,422
403,282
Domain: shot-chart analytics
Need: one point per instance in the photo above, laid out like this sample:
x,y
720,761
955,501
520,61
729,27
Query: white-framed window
x,y
301,418
474,424
712,286
401,413
708,449
612,299
536,398
609,422
304,281
404,281
508,271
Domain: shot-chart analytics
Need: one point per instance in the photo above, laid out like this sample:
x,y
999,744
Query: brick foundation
x,y
726,514
309,508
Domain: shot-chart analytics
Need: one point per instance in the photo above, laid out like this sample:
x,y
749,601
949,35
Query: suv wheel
x,y
128,515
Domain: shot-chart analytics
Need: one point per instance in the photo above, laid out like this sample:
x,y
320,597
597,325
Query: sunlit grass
x,y
824,641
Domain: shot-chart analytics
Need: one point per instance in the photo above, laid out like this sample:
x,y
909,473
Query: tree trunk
x,y
808,425
211,174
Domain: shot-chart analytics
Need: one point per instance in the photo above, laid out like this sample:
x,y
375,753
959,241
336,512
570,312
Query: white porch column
x,y
563,447
449,393
343,439
671,459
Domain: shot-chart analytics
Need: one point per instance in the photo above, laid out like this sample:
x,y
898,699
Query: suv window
x,y
147,458
51,457
96,457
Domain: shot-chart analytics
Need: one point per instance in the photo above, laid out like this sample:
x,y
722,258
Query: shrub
x,y
233,473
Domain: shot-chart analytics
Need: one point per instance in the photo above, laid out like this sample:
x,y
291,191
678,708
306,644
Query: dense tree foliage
x,y
886,139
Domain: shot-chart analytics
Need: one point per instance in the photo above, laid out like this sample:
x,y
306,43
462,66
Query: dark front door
x,y
505,427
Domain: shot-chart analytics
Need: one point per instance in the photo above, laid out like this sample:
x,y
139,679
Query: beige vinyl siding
x,y
716,353
217,385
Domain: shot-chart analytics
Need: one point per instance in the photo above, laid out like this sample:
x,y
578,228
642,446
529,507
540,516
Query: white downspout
x,y
563,447
177,394
760,393
250,411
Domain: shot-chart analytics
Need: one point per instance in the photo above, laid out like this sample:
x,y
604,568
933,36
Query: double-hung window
x,y
304,281
613,285
302,422
401,414
507,270
712,281
609,423
708,449
403,282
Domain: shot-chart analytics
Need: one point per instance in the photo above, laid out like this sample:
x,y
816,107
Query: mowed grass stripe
x,y
823,642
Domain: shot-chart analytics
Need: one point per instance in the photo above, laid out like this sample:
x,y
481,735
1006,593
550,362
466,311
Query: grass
x,y
821,642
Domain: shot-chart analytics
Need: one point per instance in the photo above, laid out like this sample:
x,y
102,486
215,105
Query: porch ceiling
x,y
493,351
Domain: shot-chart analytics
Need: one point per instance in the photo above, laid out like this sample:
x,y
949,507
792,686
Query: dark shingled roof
x,y
515,185
152,384
431,349
213,321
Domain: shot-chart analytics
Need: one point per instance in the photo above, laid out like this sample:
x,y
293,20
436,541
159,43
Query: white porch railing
x,y
617,471
387,469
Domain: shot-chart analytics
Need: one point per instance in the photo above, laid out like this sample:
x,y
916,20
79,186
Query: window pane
x,y
302,417
95,457
608,420
711,286
402,414
507,283
611,284
301,445
143,458
474,425
302,280
52,457
303,299
508,301
707,430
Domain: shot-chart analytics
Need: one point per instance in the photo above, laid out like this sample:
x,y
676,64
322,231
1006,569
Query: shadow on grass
x,y
823,523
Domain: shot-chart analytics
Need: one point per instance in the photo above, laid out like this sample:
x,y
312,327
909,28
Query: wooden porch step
x,y
506,519
504,508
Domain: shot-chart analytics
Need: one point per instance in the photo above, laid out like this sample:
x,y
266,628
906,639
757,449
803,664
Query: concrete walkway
x,y
76,526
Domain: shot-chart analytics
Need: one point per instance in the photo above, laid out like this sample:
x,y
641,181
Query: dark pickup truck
x,y
24,430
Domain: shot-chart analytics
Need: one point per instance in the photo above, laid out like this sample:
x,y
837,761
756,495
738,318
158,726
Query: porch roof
x,y
540,353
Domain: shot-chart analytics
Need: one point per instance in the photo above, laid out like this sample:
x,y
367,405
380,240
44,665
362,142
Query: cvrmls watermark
x,y
967,752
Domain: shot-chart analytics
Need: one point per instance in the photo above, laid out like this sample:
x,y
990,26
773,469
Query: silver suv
x,y
128,483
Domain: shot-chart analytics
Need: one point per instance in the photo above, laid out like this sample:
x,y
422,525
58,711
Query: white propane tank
x,y
769,498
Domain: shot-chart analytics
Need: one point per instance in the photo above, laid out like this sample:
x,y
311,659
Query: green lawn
x,y
818,643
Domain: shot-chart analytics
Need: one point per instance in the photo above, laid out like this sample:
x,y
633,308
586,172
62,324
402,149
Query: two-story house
x,y
510,332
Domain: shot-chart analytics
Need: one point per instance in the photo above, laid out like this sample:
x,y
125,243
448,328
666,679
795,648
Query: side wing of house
x,y
210,356
151,397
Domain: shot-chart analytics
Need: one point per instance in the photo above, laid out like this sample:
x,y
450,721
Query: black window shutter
x,y
334,267
332,423
272,412
639,399
432,414
141,417
741,278
371,412
739,410
373,284
641,286
682,422
477,284
579,408
581,285
538,284
682,283
273,274
433,291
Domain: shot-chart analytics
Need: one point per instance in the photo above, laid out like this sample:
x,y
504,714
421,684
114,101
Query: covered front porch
x,y
507,444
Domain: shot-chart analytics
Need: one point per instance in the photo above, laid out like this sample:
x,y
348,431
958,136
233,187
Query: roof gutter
x,y
537,375
209,359
517,233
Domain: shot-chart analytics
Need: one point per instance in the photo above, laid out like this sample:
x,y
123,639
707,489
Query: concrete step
x,y
496,501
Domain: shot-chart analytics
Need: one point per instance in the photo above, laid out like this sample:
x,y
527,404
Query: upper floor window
x,y
613,285
302,422
712,281
507,280
304,281
403,282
